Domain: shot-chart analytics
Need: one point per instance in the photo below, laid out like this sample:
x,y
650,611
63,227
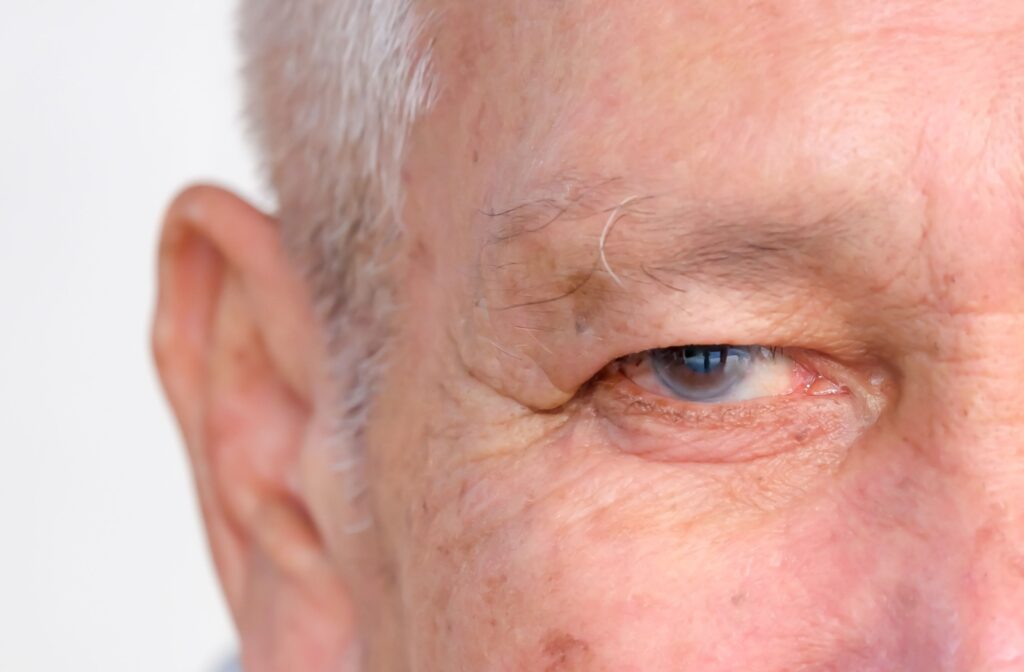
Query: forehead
x,y
651,86
787,104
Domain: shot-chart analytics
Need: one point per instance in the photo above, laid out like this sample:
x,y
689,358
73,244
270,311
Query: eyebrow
x,y
662,238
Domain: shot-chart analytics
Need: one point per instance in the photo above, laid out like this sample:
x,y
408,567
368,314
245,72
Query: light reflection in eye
x,y
716,373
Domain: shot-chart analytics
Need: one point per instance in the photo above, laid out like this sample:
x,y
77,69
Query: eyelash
x,y
771,351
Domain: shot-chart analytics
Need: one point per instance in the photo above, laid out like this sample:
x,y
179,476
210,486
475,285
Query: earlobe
x,y
237,349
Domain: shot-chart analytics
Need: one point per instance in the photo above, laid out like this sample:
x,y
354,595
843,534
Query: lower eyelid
x,y
665,430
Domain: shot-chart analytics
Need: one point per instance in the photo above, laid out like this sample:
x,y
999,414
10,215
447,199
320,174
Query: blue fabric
x,y
231,665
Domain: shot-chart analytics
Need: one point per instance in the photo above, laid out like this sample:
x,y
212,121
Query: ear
x,y
238,351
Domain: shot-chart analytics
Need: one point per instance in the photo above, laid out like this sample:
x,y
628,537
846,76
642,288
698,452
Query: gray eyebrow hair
x,y
662,238
565,198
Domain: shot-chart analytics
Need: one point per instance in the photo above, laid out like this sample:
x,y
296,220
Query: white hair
x,y
333,89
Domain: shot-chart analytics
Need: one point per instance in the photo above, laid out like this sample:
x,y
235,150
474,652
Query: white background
x,y
106,108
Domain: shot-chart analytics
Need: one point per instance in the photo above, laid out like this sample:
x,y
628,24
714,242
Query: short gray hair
x,y
333,88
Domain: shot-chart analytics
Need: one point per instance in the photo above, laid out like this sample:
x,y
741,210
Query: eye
x,y
716,373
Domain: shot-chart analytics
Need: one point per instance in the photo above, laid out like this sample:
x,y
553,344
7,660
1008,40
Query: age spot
x,y
565,653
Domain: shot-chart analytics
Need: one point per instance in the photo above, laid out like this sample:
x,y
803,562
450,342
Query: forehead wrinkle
x,y
736,254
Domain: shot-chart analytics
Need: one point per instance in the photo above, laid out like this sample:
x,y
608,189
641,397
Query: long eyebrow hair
x,y
608,233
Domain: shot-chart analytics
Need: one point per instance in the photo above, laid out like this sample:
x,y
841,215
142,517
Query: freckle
x,y
907,597
985,535
738,599
476,156
494,586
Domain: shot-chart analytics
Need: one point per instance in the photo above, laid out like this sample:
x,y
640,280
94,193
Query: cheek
x,y
559,562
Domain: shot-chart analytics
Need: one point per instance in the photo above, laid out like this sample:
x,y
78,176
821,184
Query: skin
x,y
842,180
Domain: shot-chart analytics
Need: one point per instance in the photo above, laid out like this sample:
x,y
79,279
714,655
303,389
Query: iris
x,y
703,373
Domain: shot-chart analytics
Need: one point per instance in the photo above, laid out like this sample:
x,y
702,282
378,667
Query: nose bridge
x,y
975,391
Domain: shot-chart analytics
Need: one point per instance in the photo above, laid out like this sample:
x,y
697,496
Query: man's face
x,y
842,182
